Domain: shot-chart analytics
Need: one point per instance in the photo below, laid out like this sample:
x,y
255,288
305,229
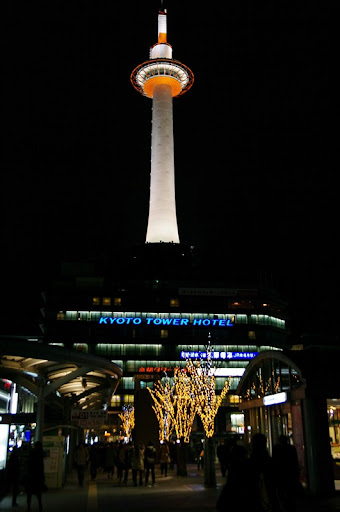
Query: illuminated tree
x,y
128,419
203,383
203,386
186,404
163,406
175,405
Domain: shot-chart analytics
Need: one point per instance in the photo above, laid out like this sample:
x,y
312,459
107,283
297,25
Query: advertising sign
x,y
89,419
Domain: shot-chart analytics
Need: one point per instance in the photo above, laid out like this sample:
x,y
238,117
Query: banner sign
x,y
89,419
218,355
167,321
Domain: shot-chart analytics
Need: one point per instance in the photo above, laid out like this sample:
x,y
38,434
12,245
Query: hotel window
x,y
174,303
106,301
164,333
94,316
117,301
61,315
127,383
115,401
252,335
71,315
95,301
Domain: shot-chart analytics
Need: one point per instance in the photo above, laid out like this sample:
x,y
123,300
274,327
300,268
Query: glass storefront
x,y
333,410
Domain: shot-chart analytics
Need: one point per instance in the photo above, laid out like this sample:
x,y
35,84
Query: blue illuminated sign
x,y
217,355
206,322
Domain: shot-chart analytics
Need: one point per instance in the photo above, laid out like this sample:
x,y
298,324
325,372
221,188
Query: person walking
x,y
137,463
120,461
164,454
13,474
222,457
232,495
109,459
127,461
35,478
150,459
172,450
81,458
256,474
261,475
94,460
200,460
287,473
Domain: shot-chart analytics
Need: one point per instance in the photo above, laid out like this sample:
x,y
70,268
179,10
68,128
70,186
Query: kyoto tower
x,y
161,78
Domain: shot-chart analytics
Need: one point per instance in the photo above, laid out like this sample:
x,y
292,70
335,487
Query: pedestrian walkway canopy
x,y
53,372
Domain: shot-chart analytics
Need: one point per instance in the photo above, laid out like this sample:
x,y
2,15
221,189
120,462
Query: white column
x,y
162,224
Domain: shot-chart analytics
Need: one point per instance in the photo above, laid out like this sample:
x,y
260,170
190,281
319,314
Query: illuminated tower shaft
x,y
162,78
162,225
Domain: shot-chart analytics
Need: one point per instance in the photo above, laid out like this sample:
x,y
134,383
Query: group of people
x,y
125,457
257,481
28,471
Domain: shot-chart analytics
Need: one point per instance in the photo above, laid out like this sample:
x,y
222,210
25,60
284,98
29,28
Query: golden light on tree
x,y
260,388
203,385
192,392
175,405
186,404
128,419
163,406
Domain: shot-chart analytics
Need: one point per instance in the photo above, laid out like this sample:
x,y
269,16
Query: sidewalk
x,y
171,494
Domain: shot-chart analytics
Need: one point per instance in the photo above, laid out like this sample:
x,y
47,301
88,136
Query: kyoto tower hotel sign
x,y
162,78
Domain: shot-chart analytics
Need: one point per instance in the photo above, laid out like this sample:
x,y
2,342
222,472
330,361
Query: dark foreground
x,y
170,494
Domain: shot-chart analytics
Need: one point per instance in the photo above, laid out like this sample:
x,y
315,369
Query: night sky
x,y
255,140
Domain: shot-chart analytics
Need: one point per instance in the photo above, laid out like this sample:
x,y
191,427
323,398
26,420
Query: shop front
x,y
278,396
333,411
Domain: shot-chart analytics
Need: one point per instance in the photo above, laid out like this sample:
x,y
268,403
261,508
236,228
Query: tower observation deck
x,y
161,78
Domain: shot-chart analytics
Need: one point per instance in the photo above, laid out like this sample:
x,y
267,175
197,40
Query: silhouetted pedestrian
x,y
150,459
172,450
13,474
109,459
127,461
261,473
137,463
233,494
81,457
35,478
200,460
164,454
287,473
121,461
221,453
95,460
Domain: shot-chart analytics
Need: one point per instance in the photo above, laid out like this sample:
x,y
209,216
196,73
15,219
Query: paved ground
x,y
170,494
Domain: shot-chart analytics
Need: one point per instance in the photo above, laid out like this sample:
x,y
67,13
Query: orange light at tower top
x,y
162,68
162,78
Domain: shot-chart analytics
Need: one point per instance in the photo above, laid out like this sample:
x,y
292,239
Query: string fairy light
x,y
202,373
163,407
192,392
186,405
175,405
128,419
